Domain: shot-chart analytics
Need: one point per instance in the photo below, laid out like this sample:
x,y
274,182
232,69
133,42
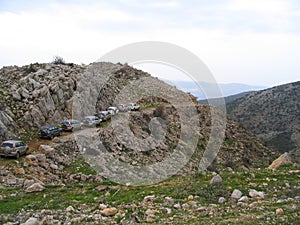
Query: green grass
x,y
80,166
179,188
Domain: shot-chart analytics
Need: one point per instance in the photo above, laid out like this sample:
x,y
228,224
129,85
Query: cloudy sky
x,y
247,41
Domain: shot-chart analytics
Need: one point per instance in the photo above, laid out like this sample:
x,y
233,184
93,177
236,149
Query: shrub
x,y
58,60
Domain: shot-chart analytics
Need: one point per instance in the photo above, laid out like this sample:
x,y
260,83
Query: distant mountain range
x,y
227,99
196,88
272,114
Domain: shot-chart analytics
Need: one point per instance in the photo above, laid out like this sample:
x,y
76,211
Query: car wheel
x,y
18,155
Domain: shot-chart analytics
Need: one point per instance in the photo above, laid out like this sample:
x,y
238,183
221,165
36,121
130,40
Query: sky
x,y
254,42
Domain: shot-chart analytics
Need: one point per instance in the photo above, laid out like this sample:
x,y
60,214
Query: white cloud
x,y
84,32
165,4
273,13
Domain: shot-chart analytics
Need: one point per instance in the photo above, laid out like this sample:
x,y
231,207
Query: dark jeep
x,y
49,132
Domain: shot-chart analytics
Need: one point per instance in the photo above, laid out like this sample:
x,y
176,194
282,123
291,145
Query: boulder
x,y
32,221
109,211
283,159
236,194
256,194
217,179
36,187
221,200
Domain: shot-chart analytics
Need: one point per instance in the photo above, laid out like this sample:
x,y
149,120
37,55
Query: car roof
x,y
90,117
71,120
11,141
47,127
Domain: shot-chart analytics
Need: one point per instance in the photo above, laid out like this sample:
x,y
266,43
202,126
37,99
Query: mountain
x,y
227,99
41,94
272,114
226,89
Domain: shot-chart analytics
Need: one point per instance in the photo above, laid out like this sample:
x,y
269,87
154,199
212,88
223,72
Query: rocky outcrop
x,y
35,95
281,160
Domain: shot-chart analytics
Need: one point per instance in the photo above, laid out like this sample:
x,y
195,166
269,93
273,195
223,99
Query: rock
x,y
167,211
177,206
16,95
279,211
28,183
150,212
32,221
102,206
283,159
256,194
221,200
185,206
190,197
19,171
150,219
30,160
236,194
109,211
53,166
36,187
243,199
217,179
47,150
149,198
101,188
69,209
169,200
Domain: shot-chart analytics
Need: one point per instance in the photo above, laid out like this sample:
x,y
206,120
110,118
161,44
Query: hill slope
x,y
272,114
40,94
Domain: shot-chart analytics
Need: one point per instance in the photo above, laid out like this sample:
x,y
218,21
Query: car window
x,y
7,145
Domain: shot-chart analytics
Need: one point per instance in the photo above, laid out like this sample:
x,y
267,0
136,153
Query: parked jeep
x,y
104,115
113,110
71,125
13,148
91,121
49,131
133,106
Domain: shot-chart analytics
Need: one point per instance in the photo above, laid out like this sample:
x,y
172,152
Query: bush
x,y
58,60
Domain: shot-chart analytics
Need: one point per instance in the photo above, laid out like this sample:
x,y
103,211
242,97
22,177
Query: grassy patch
x,y
272,183
80,166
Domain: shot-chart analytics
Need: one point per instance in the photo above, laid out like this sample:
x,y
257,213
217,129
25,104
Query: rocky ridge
x,y
40,94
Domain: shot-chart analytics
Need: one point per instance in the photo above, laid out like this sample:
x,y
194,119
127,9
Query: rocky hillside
x,y
41,94
35,95
272,114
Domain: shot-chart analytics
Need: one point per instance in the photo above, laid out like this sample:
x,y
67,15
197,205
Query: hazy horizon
x,y
240,41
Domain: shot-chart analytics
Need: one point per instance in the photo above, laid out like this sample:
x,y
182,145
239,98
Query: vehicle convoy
x,y
49,131
13,148
71,125
91,121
